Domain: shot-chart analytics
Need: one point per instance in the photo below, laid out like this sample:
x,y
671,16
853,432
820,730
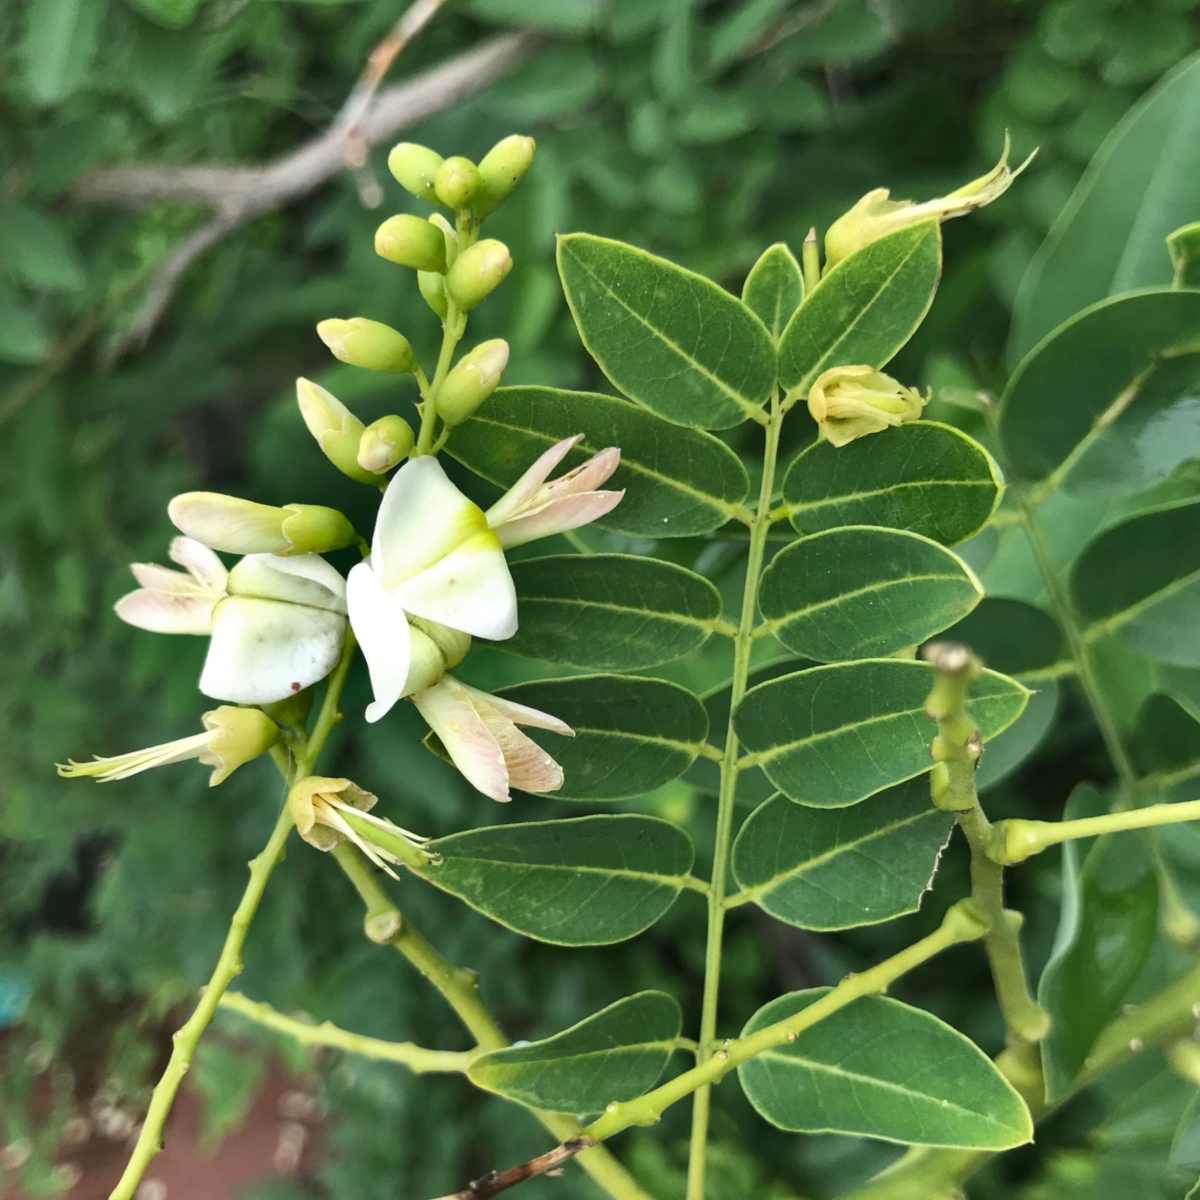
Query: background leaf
x,y
61,37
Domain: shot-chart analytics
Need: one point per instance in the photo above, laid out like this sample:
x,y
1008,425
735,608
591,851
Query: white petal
x,y
519,714
567,512
301,579
470,590
526,487
201,563
465,734
164,579
422,517
381,628
265,650
167,612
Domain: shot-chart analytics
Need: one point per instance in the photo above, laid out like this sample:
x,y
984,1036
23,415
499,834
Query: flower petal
x,y
519,714
464,733
470,590
299,579
378,620
526,487
167,612
586,477
163,579
266,650
201,563
567,512
422,518
529,767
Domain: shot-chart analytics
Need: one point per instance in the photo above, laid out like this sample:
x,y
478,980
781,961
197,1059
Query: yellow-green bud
x,y
362,342
452,643
501,169
433,290
244,527
385,443
449,233
851,402
473,379
334,427
239,735
457,182
477,273
313,803
411,242
414,168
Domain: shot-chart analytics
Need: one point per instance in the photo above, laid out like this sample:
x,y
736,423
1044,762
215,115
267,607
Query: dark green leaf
x,y
173,14
832,736
1184,247
37,250
924,477
865,309
1185,1146
615,1054
23,337
882,1069
862,592
677,482
774,288
582,881
844,867
668,338
61,37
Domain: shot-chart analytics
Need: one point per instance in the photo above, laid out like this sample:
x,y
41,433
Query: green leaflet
x,y
580,881
1151,603
1185,1146
61,38
615,1054
878,1068
1121,381
1166,750
846,866
831,736
774,288
678,482
610,612
666,337
861,591
1109,238
865,309
927,478
632,735
1107,925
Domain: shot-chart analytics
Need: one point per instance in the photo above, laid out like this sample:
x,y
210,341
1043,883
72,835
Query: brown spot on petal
x,y
295,685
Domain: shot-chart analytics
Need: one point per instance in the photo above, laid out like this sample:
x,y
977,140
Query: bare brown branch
x,y
495,1182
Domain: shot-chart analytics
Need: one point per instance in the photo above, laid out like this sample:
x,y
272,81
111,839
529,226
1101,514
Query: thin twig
x,y
495,1182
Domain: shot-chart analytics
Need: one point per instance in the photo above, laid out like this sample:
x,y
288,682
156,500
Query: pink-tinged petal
x,y
586,477
381,628
422,518
559,516
201,563
266,650
167,612
519,714
527,486
529,767
464,733
470,590
163,579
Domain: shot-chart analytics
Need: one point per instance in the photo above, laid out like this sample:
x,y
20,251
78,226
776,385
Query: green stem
x,y
187,1037
330,713
962,923
742,645
417,1059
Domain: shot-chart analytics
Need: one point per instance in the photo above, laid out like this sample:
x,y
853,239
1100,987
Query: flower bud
x,y
501,169
238,735
433,291
851,402
314,803
336,429
414,168
315,529
411,242
477,273
385,443
244,527
365,343
457,182
472,381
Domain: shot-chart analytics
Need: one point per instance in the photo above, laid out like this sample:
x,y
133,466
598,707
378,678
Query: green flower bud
x,y
244,527
477,273
385,443
414,168
371,344
433,290
411,242
457,182
238,736
501,169
851,402
473,379
336,429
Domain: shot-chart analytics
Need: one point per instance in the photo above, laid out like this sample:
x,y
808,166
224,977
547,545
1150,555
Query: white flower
x,y
231,737
276,624
481,737
533,508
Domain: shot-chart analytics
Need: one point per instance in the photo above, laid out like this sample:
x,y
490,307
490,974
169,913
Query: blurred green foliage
x,y
699,129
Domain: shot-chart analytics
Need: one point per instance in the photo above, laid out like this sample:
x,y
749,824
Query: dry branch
x,y
495,1182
